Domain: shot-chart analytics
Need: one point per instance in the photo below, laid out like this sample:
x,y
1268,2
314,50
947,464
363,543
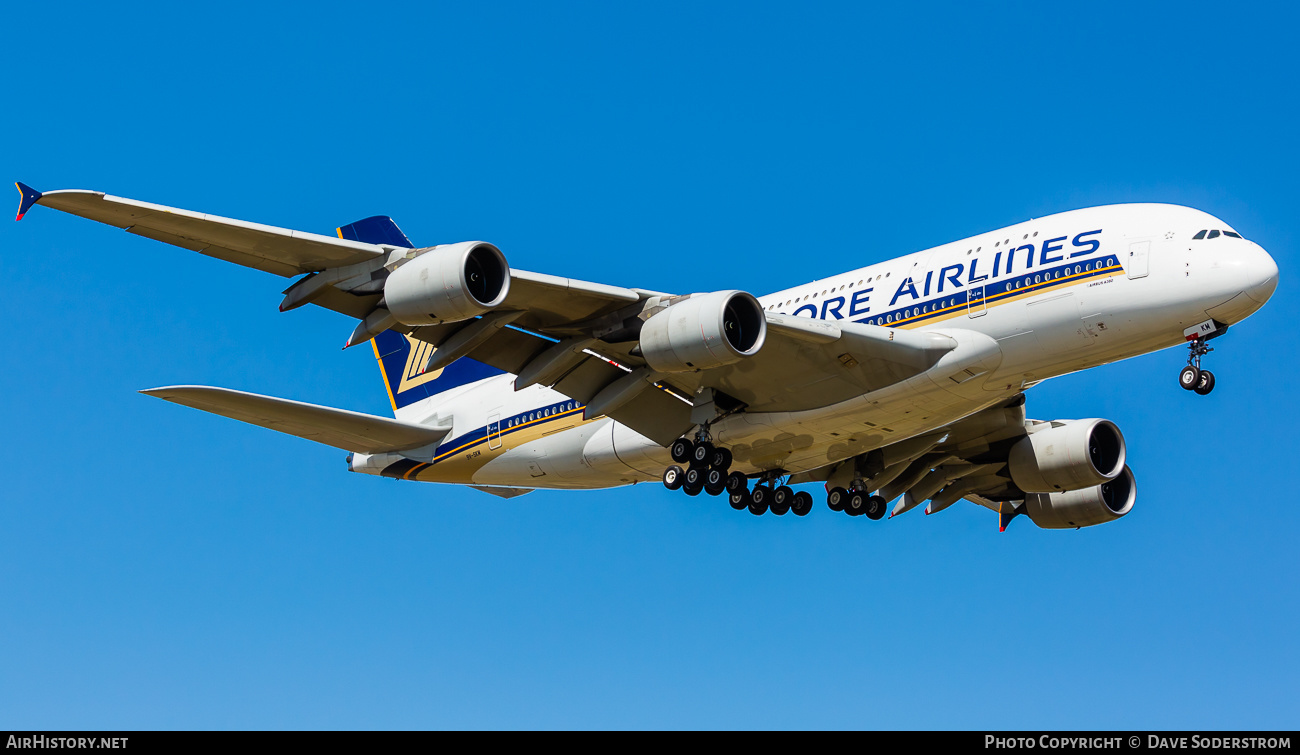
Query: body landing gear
x,y
707,471
1192,377
856,501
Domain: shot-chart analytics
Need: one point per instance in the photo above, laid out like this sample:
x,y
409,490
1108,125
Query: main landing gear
x,y
1193,378
708,471
856,501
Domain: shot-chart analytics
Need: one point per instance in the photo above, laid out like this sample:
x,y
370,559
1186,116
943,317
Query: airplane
x,y
903,381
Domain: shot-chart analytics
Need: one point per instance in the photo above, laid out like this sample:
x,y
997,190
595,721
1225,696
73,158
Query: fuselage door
x,y
1138,254
975,300
494,431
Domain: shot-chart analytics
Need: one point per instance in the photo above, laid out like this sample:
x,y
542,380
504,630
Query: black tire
x,y
758,500
692,490
1189,378
714,482
674,477
835,499
721,459
694,478
736,481
782,497
701,454
802,504
680,450
739,499
856,504
1207,383
876,507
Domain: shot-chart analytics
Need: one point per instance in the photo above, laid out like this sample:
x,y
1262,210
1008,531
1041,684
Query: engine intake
x,y
1068,456
448,284
704,331
1084,508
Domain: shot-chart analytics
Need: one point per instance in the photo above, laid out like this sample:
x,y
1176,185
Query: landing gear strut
x,y
1192,377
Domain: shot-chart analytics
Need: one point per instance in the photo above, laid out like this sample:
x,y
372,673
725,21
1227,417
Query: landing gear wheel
x,y
739,499
701,453
736,482
835,499
802,504
1206,383
856,505
692,490
694,481
714,482
680,450
876,507
674,477
782,497
759,499
721,459
1189,378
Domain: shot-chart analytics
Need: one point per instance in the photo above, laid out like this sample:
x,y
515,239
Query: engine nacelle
x,y
704,331
448,284
1068,456
1083,508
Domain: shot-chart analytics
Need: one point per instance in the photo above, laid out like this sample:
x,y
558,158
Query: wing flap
x,y
340,428
652,412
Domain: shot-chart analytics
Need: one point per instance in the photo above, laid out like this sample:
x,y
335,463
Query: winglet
x,y
1006,512
30,197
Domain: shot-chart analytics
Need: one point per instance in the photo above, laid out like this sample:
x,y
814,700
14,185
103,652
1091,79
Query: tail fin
x,y
379,229
400,358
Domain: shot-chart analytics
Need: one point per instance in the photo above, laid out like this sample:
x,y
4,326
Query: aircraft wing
x,y
340,428
548,300
274,250
577,337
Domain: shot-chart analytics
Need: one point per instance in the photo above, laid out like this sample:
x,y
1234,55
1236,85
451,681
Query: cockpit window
x,y
1200,235
1233,234
1213,235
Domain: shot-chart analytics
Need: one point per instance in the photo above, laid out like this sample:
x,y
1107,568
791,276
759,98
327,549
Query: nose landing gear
x,y
1192,377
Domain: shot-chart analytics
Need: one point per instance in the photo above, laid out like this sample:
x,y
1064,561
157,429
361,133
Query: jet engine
x,y
1068,455
704,331
448,283
1083,508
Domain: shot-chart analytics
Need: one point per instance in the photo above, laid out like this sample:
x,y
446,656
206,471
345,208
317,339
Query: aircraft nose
x,y
1261,274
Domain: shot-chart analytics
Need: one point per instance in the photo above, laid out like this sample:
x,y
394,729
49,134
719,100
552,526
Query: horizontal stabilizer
x,y
350,431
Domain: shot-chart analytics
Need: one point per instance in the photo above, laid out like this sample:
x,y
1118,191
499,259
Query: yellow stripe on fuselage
x,y
511,437
1034,290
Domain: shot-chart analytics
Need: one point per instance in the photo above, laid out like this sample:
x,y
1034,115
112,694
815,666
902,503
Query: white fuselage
x,y
1025,303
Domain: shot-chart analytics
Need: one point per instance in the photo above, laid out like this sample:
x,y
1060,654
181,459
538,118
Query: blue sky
x,y
161,568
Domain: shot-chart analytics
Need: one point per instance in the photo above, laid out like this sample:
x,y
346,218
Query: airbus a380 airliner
x,y
903,381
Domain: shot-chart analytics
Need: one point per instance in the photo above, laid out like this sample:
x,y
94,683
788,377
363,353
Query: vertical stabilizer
x,y
400,359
